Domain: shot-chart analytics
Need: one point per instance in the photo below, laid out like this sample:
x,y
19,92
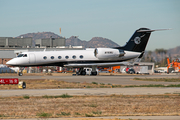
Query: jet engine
x,y
108,53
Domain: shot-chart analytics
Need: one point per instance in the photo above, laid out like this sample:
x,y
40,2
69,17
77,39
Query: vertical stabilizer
x,y
138,41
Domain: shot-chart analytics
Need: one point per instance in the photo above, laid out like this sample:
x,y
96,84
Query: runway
x,y
112,79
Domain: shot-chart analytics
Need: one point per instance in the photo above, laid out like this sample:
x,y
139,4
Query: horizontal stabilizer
x,y
152,30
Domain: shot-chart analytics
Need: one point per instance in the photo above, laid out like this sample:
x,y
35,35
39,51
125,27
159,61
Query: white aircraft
x,y
89,57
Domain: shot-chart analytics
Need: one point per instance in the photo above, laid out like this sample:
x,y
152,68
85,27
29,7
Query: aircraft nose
x,y
11,62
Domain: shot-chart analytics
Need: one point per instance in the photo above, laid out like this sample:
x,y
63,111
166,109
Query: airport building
x,y
9,42
50,42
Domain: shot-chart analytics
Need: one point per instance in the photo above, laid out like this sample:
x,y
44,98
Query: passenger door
x,y
32,58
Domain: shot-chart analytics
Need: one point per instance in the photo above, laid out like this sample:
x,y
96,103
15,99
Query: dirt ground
x,y
55,74
89,106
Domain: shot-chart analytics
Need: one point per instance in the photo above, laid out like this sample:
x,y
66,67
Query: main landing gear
x,y
94,72
81,71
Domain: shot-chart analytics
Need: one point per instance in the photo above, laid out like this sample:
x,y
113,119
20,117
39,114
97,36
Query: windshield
x,y
20,55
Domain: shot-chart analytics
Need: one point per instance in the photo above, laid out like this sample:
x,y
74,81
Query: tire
x,y
83,73
20,74
94,73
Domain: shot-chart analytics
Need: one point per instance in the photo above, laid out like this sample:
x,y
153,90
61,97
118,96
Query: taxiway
x,y
112,79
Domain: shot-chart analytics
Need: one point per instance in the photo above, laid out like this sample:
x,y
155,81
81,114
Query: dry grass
x,y
159,79
89,106
54,84
100,119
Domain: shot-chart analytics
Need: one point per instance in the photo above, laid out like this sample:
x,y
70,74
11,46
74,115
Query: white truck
x,y
88,71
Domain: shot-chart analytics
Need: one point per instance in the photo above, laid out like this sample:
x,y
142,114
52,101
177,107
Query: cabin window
x,y
52,57
44,57
25,55
59,57
81,56
74,57
20,55
67,57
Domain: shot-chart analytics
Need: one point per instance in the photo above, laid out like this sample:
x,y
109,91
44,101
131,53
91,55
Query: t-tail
x,y
139,40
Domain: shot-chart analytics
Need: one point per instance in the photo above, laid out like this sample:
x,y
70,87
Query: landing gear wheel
x,y
20,74
94,73
83,72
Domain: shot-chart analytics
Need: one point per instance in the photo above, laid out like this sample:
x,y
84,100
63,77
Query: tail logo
x,y
137,40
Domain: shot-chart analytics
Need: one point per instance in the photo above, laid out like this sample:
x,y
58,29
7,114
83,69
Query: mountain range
x,y
74,41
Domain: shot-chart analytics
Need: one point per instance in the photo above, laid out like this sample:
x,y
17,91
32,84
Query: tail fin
x,y
138,41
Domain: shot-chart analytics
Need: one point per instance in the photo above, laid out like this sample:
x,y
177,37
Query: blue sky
x,y
113,19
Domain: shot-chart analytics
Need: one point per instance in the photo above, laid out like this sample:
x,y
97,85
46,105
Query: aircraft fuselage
x,y
60,58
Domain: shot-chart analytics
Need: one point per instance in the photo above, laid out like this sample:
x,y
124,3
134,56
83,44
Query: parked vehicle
x,y
131,71
155,71
103,71
5,69
88,71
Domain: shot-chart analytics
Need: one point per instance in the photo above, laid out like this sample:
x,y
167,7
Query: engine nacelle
x,y
108,53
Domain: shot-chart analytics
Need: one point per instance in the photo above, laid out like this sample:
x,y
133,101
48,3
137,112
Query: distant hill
x,y
174,51
40,35
94,42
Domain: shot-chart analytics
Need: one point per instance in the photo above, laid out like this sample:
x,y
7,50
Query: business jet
x,y
89,57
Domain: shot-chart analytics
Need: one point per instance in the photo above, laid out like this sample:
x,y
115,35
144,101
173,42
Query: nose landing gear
x,y
20,71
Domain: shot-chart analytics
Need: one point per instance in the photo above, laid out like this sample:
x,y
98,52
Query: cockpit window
x,y
20,55
25,55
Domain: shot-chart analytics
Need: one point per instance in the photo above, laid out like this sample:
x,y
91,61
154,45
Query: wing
x,y
96,64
